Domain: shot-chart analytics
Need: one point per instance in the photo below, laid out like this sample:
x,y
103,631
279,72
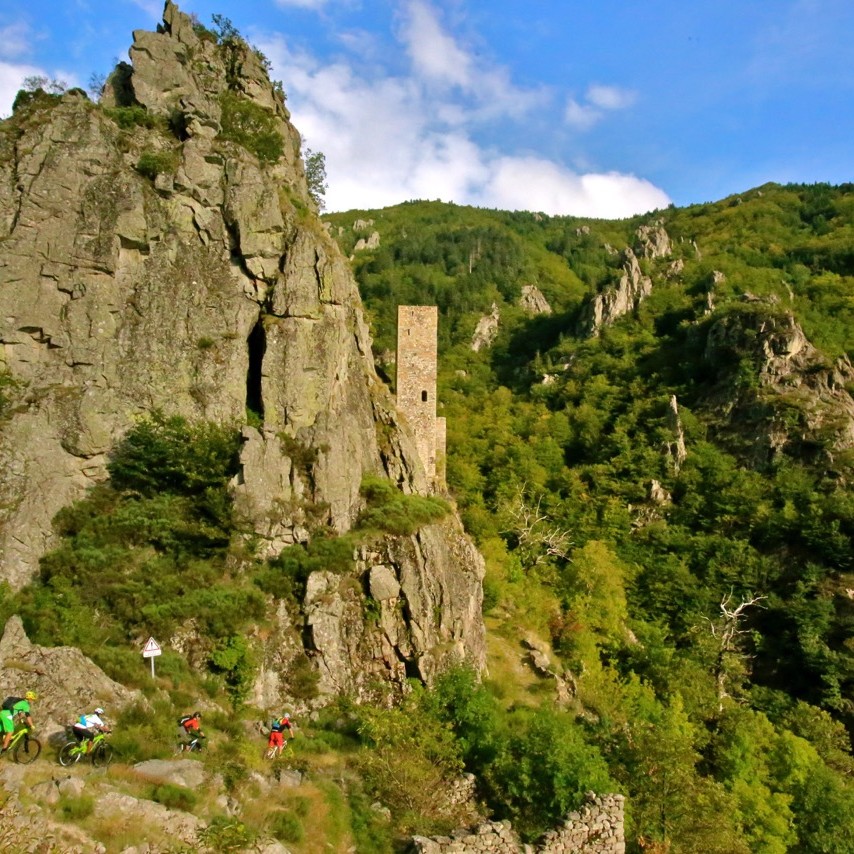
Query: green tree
x,y
315,176
543,770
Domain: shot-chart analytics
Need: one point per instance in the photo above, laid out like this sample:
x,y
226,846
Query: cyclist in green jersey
x,y
12,708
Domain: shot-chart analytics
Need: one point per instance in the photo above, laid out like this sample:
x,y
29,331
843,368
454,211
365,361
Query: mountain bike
x,y
101,751
192,746
24,747
276,751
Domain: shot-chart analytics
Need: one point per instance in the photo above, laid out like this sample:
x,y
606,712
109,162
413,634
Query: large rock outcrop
x,y
799,403
155,255
67,683
606,307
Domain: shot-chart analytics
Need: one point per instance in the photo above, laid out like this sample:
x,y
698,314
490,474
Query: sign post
x,y
151,650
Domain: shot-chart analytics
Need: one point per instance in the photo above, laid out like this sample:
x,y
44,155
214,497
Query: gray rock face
x,y
193,290
789,366
533,301
118,297
188,773
182,827
676,448
606,307
487,329
67,683
413,631
653,240
372,242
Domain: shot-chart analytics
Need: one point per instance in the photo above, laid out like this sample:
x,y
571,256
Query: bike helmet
x,y
31,695
99,711
197,714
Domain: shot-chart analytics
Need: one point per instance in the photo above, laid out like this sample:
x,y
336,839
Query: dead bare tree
x,y
728,630
534,530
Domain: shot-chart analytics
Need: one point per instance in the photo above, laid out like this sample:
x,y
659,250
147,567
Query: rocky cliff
x,y
160,250
799,403
67,683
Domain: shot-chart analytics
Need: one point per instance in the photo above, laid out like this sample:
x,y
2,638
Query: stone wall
x,y
596,828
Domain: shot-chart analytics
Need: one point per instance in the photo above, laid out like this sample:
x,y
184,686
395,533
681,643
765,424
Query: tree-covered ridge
x,y
702,606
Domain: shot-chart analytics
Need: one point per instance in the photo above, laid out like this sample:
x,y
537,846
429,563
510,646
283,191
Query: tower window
x,y
424,396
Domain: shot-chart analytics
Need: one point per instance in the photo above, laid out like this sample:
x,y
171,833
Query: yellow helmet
x,y
31,695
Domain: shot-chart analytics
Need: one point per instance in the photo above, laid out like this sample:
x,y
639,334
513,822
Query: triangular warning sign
x,y
151,646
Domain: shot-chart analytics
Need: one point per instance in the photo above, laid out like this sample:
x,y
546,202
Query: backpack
x,y
10,702
182,721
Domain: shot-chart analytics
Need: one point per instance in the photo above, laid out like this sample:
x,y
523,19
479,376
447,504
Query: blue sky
x,y
601,108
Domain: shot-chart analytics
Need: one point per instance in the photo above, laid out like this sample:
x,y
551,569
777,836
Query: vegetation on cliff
x,y
700,608
663,497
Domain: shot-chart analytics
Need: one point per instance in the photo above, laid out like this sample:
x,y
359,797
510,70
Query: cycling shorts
x,y
81,732
7,722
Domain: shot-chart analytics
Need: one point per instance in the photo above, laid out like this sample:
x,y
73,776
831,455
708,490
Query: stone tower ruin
x,y
417,327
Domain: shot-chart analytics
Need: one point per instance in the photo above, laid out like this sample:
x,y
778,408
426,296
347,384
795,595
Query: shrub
x,y
154,163
174,797
371,830
233,659
128,118
226,834
391,511
286,827
9,387
303,679
407,763
252,126
170,454
544,771
75,808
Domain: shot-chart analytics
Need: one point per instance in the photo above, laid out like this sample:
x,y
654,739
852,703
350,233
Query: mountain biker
x,y
88,726
191,729
277,731
12,708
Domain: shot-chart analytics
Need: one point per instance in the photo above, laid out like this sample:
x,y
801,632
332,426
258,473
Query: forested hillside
x,y
663,491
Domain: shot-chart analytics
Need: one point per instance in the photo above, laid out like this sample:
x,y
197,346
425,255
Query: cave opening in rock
x,y
256,344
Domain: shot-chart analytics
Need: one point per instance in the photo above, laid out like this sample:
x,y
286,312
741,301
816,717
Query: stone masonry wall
x,y
597,828
417,327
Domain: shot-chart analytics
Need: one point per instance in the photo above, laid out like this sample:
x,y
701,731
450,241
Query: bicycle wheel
x,y
102,755
68,754
27,750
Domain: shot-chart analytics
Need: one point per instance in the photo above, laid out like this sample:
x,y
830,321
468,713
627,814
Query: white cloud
x,y
598,100
439,61
390,138
11,78
435,55
15,40
302,4
531,183
581,116
610,97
